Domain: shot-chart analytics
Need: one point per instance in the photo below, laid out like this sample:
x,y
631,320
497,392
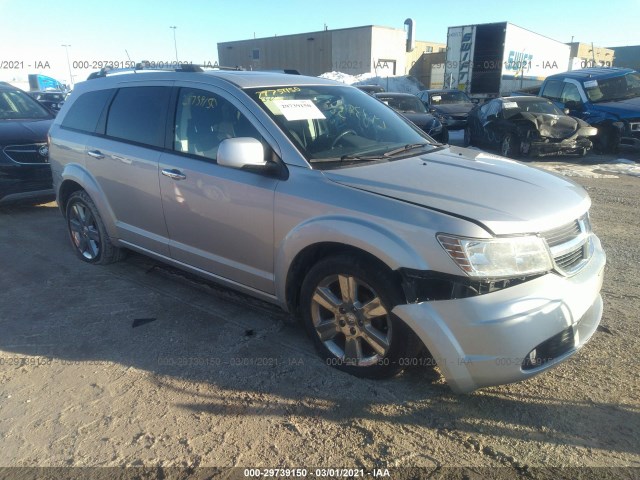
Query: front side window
x,y
338,123
204,120
570,93
15,105
138,114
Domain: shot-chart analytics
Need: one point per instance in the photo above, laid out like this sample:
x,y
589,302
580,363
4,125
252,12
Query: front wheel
x,y
87,232
346,305
510,146
467,137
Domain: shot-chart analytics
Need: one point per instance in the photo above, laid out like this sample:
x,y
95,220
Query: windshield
x,y
445,98
611,89
15,105
511,108
408,104
335,123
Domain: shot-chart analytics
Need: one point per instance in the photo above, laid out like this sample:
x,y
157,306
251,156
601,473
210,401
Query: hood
x,y
422,120
553,126
454,108
629,108
17,132
503,195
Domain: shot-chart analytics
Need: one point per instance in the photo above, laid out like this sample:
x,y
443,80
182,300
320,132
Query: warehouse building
x,y
371,48
627,57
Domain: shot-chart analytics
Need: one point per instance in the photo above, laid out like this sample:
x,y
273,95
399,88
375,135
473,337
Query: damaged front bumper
x,y
578,143
511,334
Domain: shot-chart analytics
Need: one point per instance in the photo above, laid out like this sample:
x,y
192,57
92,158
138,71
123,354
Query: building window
x,y
428,49
255,54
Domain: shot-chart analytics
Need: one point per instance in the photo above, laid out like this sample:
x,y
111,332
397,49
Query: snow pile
x,y
611,169
400,83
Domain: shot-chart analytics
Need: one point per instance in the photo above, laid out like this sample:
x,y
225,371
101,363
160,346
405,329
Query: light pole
x,y
175,44
66,48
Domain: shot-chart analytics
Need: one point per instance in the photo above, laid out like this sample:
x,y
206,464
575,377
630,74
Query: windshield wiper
x,y
409,146
364,158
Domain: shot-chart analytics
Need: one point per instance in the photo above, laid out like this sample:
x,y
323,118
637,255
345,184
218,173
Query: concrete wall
x,y
309,53
381,50
627,57
351,50
583,57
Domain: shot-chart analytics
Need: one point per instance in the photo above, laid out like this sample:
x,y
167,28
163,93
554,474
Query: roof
x,y
242,78
597,72
393,95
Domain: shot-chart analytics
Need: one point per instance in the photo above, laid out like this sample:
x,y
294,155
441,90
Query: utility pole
x,y
66,48
175,43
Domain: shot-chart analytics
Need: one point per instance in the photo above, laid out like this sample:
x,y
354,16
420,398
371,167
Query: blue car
x,y
606,98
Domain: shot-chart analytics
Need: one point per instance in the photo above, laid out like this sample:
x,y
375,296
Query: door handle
x,y
173,173
95,154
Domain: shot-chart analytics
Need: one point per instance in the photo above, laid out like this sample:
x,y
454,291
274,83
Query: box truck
x,y
493,59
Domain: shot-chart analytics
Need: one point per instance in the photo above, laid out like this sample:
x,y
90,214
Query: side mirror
x,y
241,152
247,153
566,111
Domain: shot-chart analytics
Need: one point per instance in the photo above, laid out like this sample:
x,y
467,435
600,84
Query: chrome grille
x,y
570,245
32,153
561,235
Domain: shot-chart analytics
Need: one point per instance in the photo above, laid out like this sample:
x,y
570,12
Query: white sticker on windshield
x,y
299,109
510,104
591,84
436,98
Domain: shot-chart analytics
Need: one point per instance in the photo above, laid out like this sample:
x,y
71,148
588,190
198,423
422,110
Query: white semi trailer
x,y
494,59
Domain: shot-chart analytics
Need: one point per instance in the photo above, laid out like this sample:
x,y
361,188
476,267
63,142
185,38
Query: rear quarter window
x,y
138,114
85,112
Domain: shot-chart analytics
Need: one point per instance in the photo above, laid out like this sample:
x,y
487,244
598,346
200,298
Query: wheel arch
x,y
75,178
309,243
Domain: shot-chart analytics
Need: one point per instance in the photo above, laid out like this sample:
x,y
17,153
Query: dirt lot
x,y
135,364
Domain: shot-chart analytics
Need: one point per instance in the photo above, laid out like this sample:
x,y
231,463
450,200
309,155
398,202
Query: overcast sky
x,y
33,31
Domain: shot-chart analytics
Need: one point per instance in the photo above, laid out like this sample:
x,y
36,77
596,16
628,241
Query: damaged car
x,y
413,109
522,127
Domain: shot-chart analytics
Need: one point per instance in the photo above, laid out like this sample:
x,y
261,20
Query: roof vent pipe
x,y
411,41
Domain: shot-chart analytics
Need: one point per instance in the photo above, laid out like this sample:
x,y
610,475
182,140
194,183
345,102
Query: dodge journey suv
x,y
392,248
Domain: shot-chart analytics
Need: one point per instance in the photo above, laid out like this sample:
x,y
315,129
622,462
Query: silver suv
x,y
317,197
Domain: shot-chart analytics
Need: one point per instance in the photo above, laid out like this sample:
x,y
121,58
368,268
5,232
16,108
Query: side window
x,y
85,112
138,114
570,93
204,119
553,89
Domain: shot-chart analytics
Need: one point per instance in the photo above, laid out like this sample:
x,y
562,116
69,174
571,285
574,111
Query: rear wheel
x,y
346,304
510,146
87,232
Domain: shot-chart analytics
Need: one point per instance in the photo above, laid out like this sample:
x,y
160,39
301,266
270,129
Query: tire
x,y
444,136
346,305
510,146
607,140
87,232
467,137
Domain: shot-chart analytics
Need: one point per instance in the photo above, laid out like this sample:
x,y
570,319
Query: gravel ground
x,y
136,364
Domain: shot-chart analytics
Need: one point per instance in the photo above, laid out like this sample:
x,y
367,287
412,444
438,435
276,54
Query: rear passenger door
x,y
124,162
219,219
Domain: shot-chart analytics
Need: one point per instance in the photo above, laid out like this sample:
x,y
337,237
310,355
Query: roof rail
x,y
147,66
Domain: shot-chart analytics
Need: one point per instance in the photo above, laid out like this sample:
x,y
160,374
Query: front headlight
x,y
498,257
